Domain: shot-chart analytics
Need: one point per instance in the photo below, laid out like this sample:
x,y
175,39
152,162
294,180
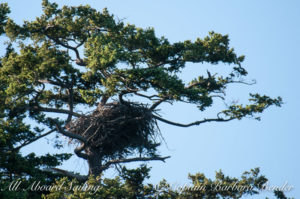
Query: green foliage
x,y
16,167
130,184
259,105
72,58
4,10
148,62
17,77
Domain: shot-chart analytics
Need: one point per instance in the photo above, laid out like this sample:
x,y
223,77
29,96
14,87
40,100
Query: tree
x,y
83,74
130,185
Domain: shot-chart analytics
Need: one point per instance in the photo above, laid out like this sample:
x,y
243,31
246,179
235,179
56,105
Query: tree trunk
x,y
94,162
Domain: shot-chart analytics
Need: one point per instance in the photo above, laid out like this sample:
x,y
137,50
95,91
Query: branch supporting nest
x,y
67,133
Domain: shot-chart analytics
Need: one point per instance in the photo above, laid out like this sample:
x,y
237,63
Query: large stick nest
x,y
117,129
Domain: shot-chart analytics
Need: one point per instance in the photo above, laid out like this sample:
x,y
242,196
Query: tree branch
x,y
156,104
57,41
242,82
107,164
218,96
193,123
78,151
54,110
121,97
146,96
79,61
67,133
33,140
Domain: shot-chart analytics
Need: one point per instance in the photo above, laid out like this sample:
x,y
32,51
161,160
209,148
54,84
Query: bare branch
x,y
63,111
193,123
33,140
124,92
146,96
57,41
79,61
156,104
107,164
242,82
80,44
218,96
121,96
67,133
161,100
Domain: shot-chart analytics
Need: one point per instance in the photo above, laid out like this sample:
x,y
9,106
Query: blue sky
x,y
268,34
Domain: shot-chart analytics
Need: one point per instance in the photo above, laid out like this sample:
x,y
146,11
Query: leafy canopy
x,y
74,59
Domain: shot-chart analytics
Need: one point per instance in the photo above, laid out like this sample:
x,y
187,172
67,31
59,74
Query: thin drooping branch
x,y
67,133
33,140
80,178
109,163
193,123
218,96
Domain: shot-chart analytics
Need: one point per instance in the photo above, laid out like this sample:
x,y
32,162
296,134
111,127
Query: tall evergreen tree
x,y
83,74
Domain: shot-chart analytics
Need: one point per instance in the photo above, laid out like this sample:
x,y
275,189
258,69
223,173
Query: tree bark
x,y
94,162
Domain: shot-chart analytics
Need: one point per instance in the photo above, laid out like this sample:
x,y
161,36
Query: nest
x,y
116,129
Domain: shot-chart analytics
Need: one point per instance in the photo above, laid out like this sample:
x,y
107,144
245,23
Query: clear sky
x,y
268,34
